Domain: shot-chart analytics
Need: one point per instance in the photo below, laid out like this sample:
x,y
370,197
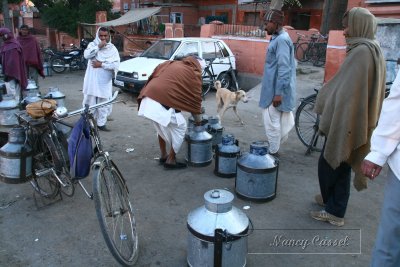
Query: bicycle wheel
x,y
114,212
301,52
208,81
46,184
321,58
311,54
58,65
306,123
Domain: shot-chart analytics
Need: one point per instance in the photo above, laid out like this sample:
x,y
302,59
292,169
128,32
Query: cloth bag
x,y
41,108
80,149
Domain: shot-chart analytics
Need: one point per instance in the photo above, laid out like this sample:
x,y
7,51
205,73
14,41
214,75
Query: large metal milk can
x,y
199,147
8,107
15,158
57,95
257,173
217,232
215,129
226,154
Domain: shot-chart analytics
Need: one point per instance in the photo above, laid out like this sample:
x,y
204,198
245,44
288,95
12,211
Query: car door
x,y
216,51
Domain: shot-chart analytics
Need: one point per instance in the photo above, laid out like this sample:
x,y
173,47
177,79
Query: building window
x,y
176,17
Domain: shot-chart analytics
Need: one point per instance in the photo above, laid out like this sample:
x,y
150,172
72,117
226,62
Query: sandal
x,y
177,165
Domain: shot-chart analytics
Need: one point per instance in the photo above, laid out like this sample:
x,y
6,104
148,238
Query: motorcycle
x,y
72,59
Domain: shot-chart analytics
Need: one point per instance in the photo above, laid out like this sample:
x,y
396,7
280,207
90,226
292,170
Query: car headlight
x,y
135,75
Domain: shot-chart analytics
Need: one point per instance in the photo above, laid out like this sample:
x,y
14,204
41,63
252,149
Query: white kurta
x,y
98,81
97,84
171,126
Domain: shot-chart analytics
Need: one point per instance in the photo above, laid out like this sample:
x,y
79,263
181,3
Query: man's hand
x,y
370,169
96,64
277,101
102,44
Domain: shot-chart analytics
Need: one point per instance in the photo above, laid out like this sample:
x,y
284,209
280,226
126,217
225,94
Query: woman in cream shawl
x,y
349,106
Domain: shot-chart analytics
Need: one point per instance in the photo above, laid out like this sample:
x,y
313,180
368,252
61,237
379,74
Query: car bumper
x,y
128,84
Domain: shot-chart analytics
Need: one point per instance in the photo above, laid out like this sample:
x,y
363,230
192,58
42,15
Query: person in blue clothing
x,y
278,91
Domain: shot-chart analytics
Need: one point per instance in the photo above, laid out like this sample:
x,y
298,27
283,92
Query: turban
x,y
274,15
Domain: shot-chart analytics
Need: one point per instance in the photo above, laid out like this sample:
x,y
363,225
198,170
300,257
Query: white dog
x,y
227,99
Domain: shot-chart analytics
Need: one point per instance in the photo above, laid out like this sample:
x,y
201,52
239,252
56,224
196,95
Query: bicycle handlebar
x,y
96,106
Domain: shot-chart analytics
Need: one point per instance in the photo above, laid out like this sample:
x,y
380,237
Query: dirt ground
x,y
66,232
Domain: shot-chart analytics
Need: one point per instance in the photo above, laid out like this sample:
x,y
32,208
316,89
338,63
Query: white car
x,y
133,73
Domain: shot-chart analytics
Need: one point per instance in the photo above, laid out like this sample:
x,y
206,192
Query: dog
x,y
227,99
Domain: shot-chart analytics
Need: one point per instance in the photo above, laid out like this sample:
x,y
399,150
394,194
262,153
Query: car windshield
x,y
163,49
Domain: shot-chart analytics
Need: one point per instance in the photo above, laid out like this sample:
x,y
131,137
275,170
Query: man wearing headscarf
x,y
349,105
12,61
278,91
32,55
103,63
174,86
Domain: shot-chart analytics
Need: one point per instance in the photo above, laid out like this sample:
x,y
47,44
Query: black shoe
x,y
103,128
176,166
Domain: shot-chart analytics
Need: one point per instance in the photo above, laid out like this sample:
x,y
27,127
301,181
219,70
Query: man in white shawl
x,y
103,63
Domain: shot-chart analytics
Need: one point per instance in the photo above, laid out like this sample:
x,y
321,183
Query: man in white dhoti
x,y
173,86
103,62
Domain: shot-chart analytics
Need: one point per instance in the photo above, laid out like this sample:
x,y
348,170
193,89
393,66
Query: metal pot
x,y
217,232
31,97
199,147
191,124
257,173
16,158
8,107
57,95
226,155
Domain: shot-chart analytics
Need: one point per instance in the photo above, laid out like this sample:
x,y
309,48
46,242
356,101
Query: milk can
x,y
199,147
215,129
31,97
57,95
257,173
217,233
191,124
226,155
8,107
15,158
31,86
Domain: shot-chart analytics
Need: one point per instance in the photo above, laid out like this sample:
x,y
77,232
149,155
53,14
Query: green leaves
x,y
66,15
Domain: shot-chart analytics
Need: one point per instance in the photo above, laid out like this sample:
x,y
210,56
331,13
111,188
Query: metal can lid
x,y
218,200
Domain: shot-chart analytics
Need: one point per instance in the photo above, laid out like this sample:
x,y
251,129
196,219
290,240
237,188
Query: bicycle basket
x,y
41,108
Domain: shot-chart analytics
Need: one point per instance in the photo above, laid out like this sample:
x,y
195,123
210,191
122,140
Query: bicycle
x,y
314,51
227,78
299,53
110,193
307,124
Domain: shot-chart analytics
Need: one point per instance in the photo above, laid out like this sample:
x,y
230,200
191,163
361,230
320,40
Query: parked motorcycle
x,y
73,59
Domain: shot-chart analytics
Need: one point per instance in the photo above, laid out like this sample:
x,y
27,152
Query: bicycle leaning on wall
x,y
51,176
313,51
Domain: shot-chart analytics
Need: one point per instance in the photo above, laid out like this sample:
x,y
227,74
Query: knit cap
x,y
274,15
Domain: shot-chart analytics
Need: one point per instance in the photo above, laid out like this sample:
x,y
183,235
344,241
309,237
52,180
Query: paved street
x,y
66,233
